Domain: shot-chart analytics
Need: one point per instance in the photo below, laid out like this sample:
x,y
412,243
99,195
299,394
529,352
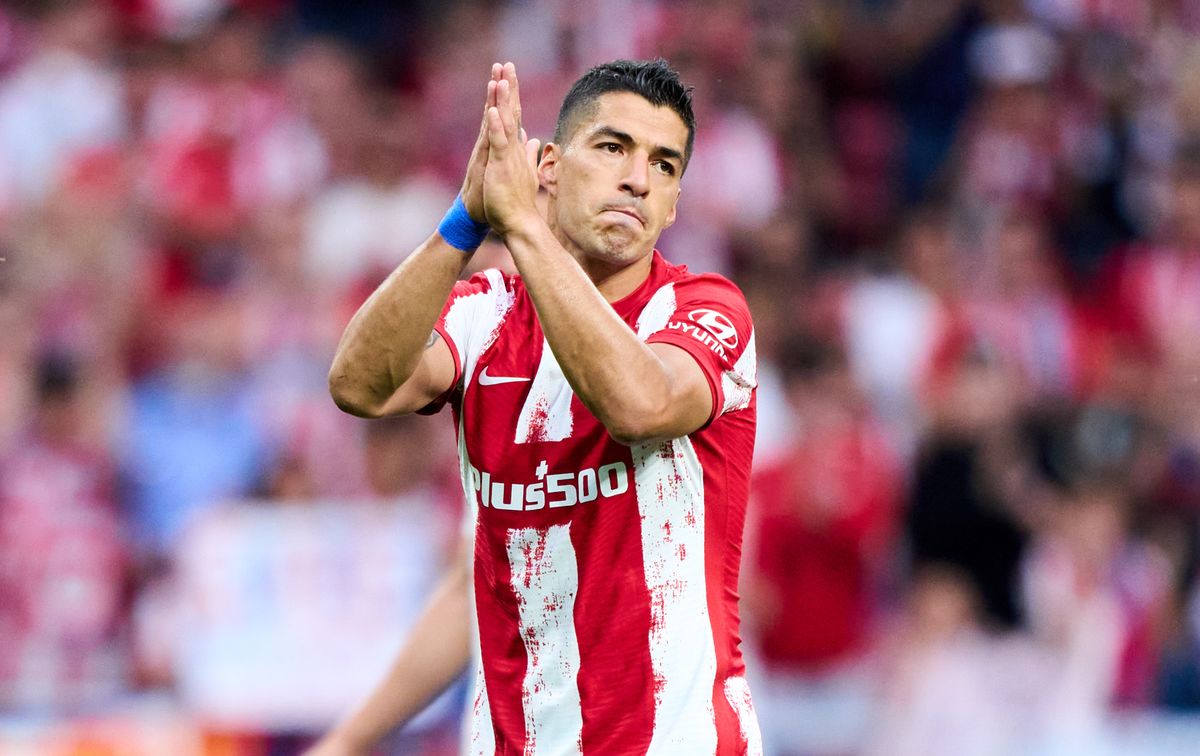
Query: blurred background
x,y
969,232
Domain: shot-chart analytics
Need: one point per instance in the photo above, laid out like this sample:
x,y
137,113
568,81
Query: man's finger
x,y
491,95
510,75
497,138
489,101
504,105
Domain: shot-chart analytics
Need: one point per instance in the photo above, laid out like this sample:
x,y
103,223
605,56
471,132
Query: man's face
x,y
614,184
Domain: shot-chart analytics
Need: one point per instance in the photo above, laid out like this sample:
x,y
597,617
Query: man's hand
x,y
472,188
510,180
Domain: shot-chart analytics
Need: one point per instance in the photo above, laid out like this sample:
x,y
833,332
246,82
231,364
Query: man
x,y
605,408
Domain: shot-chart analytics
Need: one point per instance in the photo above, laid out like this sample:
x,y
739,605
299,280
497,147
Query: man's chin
x,y
619,249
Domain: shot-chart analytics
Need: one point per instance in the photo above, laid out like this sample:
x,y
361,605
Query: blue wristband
x,y
459,230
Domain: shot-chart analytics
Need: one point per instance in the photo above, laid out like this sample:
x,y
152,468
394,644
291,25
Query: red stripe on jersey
x,y
618,703
722,536
502,652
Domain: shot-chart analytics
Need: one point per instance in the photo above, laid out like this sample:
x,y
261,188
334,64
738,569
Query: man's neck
x,y
617,283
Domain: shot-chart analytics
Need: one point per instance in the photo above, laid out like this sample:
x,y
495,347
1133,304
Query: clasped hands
x,y
502,182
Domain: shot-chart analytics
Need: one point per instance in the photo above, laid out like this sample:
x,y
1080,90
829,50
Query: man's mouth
x,y
626,210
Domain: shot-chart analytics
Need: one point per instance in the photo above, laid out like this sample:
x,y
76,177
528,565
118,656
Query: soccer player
x,y
605,407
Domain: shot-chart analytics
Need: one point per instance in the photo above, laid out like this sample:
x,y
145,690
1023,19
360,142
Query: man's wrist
x,y
460,230
528,227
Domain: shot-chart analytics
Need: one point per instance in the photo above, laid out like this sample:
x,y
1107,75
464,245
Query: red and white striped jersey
x,y
605,575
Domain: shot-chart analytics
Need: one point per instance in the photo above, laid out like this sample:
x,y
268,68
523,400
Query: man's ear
x,y
548,167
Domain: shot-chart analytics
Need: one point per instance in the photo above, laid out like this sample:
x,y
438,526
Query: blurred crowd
x,y
968,230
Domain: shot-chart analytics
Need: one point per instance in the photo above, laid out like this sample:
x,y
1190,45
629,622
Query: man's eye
x,y
612,147
665,168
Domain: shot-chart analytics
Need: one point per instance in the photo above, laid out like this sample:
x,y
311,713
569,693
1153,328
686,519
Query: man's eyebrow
x,y
668,152
611,133
626,139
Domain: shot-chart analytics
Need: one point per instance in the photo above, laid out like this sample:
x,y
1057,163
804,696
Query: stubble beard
x,y
617,247
610,246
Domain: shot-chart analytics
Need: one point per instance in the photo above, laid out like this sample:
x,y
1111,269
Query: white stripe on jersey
x,y
737,693
546,414
482,737
657,312
545,578
670,495
738,384
474,320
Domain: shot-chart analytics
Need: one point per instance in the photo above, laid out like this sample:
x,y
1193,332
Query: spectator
x,y
729,190
969,481
940,694
195,435
1156,283
63,558
827,511
221,137
893,321
1096,596
1023,308
62,103
363,226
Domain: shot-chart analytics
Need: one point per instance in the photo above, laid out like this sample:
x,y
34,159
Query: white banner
x,y
290,613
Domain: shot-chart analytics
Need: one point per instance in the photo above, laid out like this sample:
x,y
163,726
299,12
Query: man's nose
x,y
637,176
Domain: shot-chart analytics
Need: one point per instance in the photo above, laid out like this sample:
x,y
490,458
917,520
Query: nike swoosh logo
x,y
492,380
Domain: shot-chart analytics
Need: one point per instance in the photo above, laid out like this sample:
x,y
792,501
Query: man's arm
x,y
387,362
435,654
639,392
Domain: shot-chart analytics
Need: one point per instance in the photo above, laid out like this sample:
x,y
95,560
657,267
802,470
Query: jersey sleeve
x,y
709,319
468,322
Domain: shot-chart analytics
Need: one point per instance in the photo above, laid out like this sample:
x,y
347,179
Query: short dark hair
x,y
57,376
804,356
653,80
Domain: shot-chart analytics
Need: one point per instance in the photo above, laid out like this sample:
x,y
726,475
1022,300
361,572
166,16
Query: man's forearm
x,y
435,653
384,341
614,373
